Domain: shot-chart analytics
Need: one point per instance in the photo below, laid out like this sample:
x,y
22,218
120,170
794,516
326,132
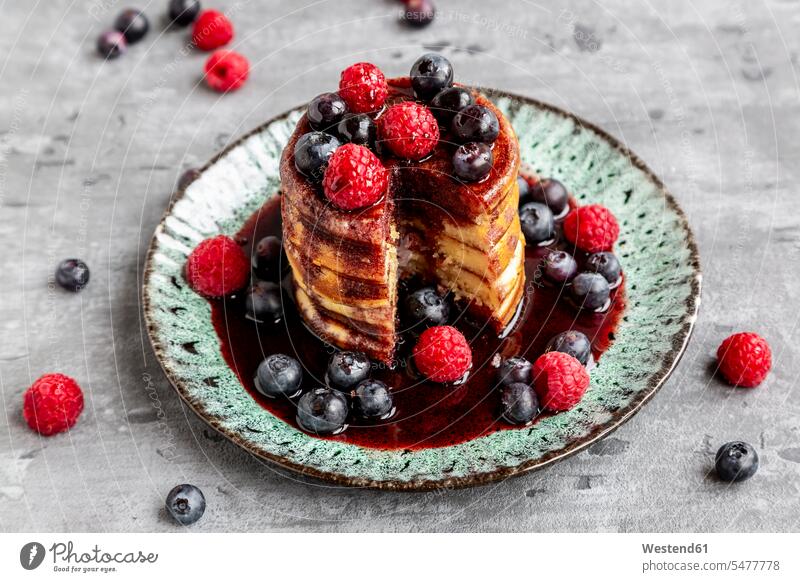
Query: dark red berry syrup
x,y
427,414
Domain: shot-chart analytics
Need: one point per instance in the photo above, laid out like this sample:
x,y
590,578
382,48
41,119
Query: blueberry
x,y
322,411
475,123
112,44
183,12
519,403
187,178
312,153
133,24
372,399
268,259
418,13
736,461
325,111
537,223
425,307
448,102
358,129
552,193
346,369
515,370
590,291
263,302
559,267
473,161
72,274
279,375
524,190
606,264
430,74
572,342
186,503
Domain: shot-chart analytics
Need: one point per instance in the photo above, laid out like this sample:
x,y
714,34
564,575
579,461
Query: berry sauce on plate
x,y
426,414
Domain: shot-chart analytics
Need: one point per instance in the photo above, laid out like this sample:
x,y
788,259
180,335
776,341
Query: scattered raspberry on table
x,y
744,359
226,70
212,29
52,404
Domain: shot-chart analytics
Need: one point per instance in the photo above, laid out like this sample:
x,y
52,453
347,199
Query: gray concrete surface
x,y
706,92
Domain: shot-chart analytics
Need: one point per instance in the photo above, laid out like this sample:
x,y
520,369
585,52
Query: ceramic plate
x,y
656,246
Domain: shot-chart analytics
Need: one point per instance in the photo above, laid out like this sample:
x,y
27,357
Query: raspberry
x,y
363,87
226,70
591,228
354,178
559,380
409,130
442,354
217,267
52,404
212,29
745,359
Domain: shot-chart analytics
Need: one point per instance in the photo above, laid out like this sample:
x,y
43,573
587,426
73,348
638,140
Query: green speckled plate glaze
x,y
663,285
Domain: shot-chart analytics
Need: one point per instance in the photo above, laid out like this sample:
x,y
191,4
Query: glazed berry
x,y
744,359
363,87
183,12
72,274
187,178
186,504
524,190
590,291
312,152
322,411
475,123
472,161
591,228
736,461
572,342
354,178
325,111
211,30
217,267
450,101
111,44
537,223
552,193
268,260
263,302
418,13
133,24
359,129
372,399
279,375
559,380
607,265
425,307
519,403
430,74
226,70
515,370
52,404
442,354
346,369
559,267
409,130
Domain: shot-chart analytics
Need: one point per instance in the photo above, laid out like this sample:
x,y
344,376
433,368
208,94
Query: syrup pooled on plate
x,y
426,414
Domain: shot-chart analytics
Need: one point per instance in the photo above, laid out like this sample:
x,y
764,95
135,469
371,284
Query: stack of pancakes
x,y
464,237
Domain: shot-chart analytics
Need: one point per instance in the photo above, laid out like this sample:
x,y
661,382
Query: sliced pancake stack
x,y
464,237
